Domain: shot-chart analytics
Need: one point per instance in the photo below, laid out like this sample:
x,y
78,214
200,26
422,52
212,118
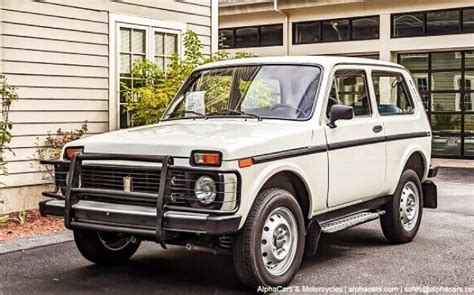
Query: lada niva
x,y
255,157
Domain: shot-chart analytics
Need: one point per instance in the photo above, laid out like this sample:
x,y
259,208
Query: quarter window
x,y
392,94
350,88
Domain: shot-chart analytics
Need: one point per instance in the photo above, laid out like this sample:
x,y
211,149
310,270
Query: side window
x,y
350,88
392,93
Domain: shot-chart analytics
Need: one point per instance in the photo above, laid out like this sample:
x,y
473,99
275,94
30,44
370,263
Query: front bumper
x,y
146,213
139,220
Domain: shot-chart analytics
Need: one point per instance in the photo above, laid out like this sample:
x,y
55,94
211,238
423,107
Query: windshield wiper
x,y
231,111
199,115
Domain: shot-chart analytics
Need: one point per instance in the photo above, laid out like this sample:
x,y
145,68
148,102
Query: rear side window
x,y
392,94
350,88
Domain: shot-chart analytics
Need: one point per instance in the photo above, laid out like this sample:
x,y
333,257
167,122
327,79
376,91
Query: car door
x,y
356,147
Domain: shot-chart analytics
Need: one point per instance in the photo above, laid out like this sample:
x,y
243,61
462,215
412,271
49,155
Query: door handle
x,y
377,128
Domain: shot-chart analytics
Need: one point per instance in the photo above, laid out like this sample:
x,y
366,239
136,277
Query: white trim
x,y
214,26
151,26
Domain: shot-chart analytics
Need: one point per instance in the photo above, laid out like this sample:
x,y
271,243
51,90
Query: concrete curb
x,y
35,242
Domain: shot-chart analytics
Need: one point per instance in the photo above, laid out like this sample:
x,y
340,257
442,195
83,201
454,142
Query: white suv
x,y
255,157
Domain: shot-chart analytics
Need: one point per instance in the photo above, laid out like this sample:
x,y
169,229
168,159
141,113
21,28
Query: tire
x,y
275,212
403,214
105,248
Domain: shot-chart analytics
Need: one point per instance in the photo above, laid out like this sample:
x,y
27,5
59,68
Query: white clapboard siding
x,y
34,31
58,81
65,93
60,22
23,142
56,53
21,179
52,44
61,11
19,167
21,154
28,141
41,129
51,57
57,116
10,67
200,30
195,7
60,105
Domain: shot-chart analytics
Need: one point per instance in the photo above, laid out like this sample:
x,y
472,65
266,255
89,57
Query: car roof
x,y
325,61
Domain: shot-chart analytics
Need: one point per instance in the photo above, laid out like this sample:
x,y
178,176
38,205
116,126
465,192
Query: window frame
x,y
425,26
361,68
118,21
408,91
320,27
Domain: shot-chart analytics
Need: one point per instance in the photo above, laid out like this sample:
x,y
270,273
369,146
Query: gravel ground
x,y
441,255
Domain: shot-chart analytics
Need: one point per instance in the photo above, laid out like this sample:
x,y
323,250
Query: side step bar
x,y
345,222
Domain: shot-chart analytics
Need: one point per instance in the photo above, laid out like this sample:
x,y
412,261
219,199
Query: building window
x,y
166,45
226,38
468,20
307,32
442,22
410,24
246,37
432,23
335,30
135,43
360,28
254,36
365,28
445,80
271,35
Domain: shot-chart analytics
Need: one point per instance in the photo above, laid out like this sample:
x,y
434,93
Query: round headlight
x,y
205,190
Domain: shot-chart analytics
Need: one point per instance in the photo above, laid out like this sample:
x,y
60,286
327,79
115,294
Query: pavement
x,y
441,255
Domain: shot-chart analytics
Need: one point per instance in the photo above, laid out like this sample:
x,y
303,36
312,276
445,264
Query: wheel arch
x,y
414,158
293,182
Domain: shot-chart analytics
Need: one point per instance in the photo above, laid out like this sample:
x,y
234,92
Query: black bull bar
x,y
199,221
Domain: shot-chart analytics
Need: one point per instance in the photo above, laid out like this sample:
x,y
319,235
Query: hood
x,y
235,138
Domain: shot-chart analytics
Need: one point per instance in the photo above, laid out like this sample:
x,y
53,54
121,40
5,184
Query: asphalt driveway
x,y
442,254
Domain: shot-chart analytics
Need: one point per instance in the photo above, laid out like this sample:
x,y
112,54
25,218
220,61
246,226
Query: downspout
x,y
286,24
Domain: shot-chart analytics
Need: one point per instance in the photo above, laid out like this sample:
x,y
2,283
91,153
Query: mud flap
x,y
430,194
313,232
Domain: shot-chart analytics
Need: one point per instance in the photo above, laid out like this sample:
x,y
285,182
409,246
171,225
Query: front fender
x,y
255,177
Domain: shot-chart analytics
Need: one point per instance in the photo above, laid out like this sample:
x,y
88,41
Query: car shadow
x,y
178,270
337,245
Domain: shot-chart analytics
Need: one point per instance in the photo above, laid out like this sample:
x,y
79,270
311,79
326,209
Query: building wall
x,y
246,15
56,53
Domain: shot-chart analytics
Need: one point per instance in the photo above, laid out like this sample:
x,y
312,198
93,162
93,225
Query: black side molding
x,y
303,151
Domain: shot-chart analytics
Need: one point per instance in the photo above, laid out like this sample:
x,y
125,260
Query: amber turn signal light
x,y
71,151
247,162
207,158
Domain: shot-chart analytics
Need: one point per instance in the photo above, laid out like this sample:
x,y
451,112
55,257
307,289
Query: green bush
x,y
154,88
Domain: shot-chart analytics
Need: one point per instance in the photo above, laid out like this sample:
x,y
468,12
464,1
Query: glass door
x,y
445,81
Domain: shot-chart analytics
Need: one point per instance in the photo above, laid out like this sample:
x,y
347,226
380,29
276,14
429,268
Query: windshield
x,y
265,91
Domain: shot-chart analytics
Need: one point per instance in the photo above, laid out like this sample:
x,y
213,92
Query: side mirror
x,y
340,112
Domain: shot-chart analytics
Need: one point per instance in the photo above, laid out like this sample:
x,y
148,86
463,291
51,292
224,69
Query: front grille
x,y
143,179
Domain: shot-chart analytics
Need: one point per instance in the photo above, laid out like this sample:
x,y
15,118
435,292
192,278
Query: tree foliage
x,y
154,87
